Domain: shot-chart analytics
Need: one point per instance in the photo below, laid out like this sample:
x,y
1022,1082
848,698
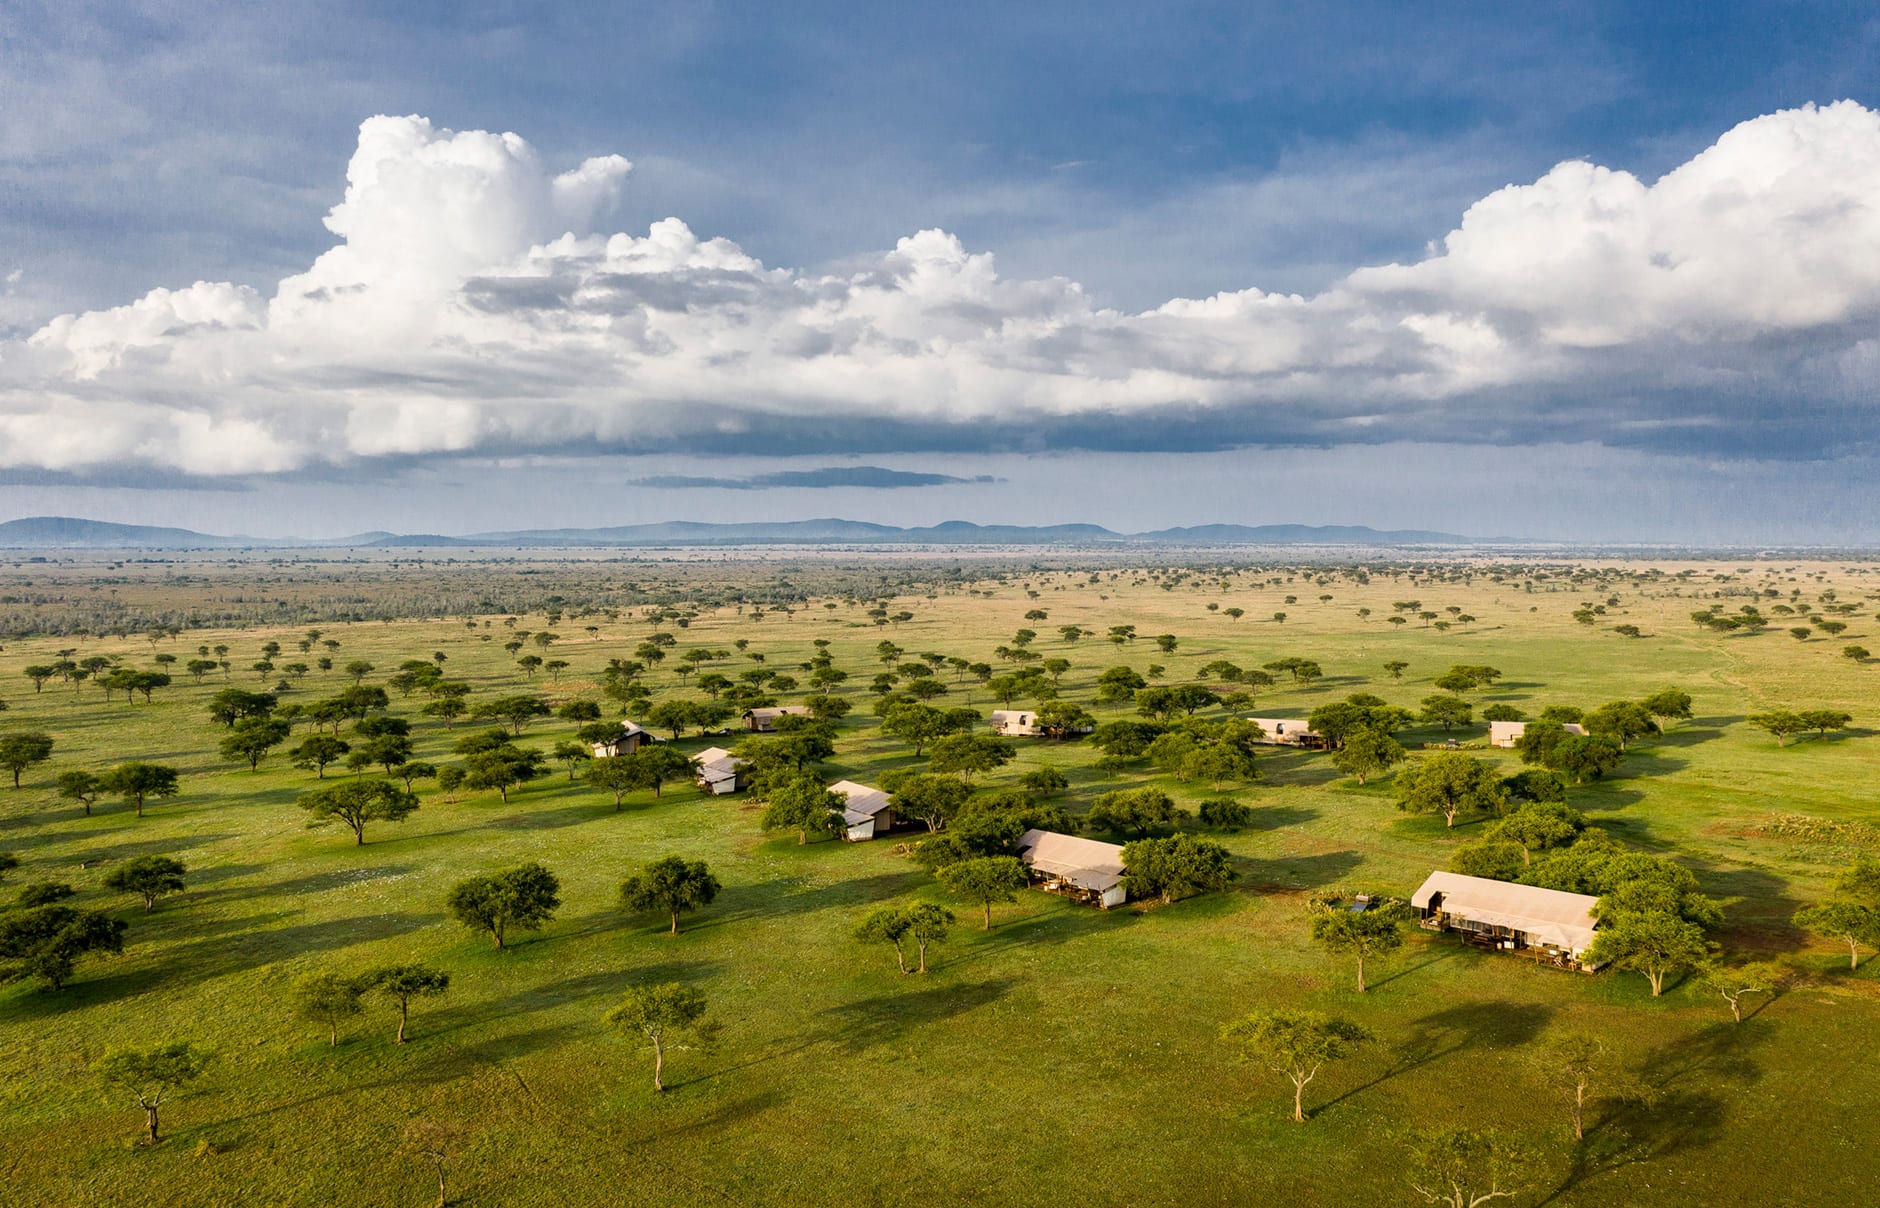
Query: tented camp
x,y
719,771
1024,723
1547,924
1084,869
1505,734
630,739
765,719
865,810
1015,723
1288,732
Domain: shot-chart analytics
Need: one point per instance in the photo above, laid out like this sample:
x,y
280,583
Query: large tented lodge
x,y
1547,923
1084,869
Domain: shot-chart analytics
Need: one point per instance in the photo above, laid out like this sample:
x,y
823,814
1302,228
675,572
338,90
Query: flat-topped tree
x,y
252,738
984,881
357,802
663,1016
328,998
671,885
1375,931
401,983
1452,784
805,805
21,751
1297,1044
45,942
149,877
137,782
520,898
153,1076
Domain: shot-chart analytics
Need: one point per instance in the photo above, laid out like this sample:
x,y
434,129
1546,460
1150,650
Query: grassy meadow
x,y
1067,1055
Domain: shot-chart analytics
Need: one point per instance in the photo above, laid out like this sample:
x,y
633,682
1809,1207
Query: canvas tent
x,y
1085,869
1501,914
865,810
719,771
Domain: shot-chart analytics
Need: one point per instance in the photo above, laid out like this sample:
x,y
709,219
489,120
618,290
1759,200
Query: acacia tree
x,y
43,939
1176,867
1656,943
984,881
152,1076
252,738
1579,1066
927,923
21,751
805,805
402,983
671,885
1377,931
1466,1167
662,1015
1450,783
1296,1044
1734,983
523,897
82,787
1367,753
890,925
149,877
327,998
138,782
318,750
357,802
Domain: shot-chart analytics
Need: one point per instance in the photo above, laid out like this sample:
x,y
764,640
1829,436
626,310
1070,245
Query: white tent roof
x,y
1552,916
716,763
860,801
1508,731
1083,862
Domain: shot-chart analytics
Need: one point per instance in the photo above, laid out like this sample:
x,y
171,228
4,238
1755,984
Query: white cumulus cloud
x,y
475,302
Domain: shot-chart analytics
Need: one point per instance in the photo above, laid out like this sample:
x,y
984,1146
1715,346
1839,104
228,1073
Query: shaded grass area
x,y
1067,1054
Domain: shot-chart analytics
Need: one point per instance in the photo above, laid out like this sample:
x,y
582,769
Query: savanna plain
x,y
1065,1055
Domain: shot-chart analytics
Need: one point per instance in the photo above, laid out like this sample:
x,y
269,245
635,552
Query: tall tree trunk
x,y
1657,978
150,1122
1579,1112
988,926
900,956
404,1012
675,924
332,1039
1361,973
1299,1099
923,955
1853,953
659,1065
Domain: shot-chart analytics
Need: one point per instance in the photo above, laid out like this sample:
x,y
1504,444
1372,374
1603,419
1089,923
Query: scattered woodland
x,y
313,888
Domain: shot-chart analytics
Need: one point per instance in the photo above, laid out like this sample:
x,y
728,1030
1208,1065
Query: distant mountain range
x,y
62,532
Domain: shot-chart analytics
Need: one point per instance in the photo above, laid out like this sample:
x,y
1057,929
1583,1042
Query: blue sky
x,y
1146,154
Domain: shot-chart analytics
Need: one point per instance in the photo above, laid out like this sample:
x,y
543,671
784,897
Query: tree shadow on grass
x,y
1290,874
1760,915
206,959
1044,927
885,1019
1279,817
1697,730
1440,1034
129,849
1686,1112
783,897
319,882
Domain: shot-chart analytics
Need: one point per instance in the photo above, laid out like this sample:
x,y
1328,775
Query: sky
x,y
1582,272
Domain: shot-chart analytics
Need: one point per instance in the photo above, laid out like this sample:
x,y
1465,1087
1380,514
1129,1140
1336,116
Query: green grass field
x,y
1066,1056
